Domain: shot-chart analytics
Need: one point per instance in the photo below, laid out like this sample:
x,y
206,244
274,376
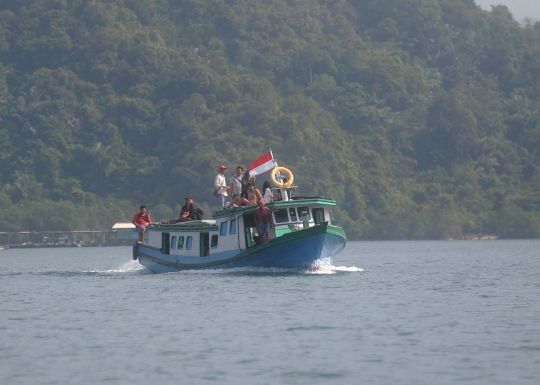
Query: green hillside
x,y
420,117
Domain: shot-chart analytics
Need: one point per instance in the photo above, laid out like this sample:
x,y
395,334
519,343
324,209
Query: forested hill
x,y
420,117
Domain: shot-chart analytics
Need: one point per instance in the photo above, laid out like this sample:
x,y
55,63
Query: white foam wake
x,y
349,269
325,266
127,267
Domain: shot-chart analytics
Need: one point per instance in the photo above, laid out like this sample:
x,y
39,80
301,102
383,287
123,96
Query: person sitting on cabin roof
x,y
237,201
187,213
188,210
254,196
141,220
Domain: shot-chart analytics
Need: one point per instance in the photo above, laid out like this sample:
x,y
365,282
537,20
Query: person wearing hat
x,y
263,222
188,210
187,213
220,184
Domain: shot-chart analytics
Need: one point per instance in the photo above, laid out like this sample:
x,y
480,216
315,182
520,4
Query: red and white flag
x,y
262,164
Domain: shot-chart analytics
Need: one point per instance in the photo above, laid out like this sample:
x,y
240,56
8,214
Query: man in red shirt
x,y
141,220
263,221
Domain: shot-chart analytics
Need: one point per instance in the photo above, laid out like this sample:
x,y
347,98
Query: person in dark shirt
x,y
188,210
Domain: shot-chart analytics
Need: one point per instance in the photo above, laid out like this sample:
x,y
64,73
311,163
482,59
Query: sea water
x,y
445,312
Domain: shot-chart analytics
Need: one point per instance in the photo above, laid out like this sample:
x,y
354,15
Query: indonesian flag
x,y
263,164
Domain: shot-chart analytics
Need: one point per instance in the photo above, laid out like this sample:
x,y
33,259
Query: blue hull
x,y
299,250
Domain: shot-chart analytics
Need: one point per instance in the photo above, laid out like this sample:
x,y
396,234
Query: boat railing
x,y
186,224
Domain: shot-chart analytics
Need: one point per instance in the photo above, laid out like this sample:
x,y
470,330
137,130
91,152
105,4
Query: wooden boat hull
x,y
299,249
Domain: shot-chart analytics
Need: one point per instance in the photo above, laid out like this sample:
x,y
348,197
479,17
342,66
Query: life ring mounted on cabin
x,y
287,172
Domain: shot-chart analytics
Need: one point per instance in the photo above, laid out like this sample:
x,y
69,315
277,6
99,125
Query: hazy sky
x,y
519,8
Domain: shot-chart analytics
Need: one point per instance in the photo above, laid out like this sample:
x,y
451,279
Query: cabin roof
x,y
204,225
121,225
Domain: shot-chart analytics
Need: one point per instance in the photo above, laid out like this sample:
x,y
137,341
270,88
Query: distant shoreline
x,y
475,237
47,246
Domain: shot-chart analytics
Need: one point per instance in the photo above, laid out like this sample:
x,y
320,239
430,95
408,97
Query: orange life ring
x,y
284,170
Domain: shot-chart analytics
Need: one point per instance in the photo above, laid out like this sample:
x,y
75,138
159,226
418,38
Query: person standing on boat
x,y
141,220
263,222
236,182
221,186
245,181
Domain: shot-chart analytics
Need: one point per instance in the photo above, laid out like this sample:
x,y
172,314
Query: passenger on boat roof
x,y
141,220
188,210
236,182
284,193
267,192
245,180
187,213
221,186
254,196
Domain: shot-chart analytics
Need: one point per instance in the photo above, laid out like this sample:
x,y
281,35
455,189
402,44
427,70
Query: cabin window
x,y
223,228
189,242
303,214
281,215
232,228
292,214
173,243
181,243
213,245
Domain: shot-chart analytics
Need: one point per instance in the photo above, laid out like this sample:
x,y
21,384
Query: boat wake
x,y
323,266
128,267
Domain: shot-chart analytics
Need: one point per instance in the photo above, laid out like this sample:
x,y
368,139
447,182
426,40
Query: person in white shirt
x,y
221,186
235,183
267,192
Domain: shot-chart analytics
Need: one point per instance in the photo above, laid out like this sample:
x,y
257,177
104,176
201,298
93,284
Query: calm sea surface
x,y
464,312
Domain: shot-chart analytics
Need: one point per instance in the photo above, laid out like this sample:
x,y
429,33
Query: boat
x,y
302,234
